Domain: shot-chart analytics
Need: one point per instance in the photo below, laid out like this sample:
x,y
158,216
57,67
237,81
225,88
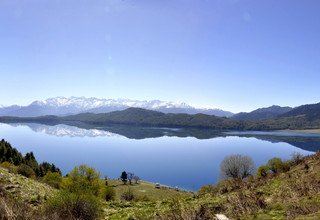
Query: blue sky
x,y
232,54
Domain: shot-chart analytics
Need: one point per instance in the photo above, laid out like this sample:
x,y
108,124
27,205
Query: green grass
x,y
147,191
148,200
23,189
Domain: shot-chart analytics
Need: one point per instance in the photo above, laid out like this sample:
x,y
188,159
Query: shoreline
x,y
307,131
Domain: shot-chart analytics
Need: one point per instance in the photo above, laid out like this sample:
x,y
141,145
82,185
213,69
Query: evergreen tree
x,y
124,177
13,156
31,161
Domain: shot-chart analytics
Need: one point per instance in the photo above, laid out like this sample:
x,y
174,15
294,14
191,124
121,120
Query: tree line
x,y
26,165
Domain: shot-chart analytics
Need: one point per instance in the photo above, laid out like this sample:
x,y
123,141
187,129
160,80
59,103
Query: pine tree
x,y
124,177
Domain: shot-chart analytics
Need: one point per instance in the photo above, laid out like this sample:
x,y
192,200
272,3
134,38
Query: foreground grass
x,y
34,194
28,191
149,201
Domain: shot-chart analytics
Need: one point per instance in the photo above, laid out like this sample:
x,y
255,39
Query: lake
x,y
187,158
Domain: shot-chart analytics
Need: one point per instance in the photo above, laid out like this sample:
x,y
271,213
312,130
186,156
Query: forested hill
x,y
142,117
262,113
138,116
311,112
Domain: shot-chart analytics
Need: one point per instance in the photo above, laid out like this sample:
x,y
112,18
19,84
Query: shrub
x,y
179,211
110,193
276,165
79,198
9,166
53,179
26,171
209,189
84,179
67,205
285,166
245,203
14,209
296,158
263,171
237,166
6,165
304,209
128,195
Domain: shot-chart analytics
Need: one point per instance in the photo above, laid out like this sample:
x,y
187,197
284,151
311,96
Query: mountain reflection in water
x,y
308,142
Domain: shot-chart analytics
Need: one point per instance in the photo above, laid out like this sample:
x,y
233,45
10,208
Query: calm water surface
x,y
164,156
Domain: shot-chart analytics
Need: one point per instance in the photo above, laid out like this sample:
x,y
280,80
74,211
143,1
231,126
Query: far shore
x,y
310,131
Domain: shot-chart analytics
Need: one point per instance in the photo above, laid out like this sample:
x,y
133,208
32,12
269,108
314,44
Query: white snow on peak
x,y
75,105
90,103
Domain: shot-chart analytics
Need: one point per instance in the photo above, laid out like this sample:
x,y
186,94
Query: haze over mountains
x,y
76,105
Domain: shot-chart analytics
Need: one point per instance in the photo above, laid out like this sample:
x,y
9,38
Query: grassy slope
x,y
146,190
291,195
28,190
23,189
148,200
34,194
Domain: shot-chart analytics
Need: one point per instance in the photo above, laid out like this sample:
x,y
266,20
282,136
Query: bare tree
x,y
130,177
237,166
136,179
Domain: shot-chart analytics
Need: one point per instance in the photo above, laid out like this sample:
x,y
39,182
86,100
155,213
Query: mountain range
x,y
75,105
160,113
303,117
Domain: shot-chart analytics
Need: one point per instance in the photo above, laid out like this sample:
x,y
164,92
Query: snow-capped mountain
x,y
75,105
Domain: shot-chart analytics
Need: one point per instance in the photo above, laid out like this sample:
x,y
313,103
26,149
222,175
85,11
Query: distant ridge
x,y
311,112
262,113
305,117
131,116
75,105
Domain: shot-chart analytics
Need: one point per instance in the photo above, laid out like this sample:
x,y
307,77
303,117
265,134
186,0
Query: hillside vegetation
x,y
291,193
21,197
82,194
262,113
